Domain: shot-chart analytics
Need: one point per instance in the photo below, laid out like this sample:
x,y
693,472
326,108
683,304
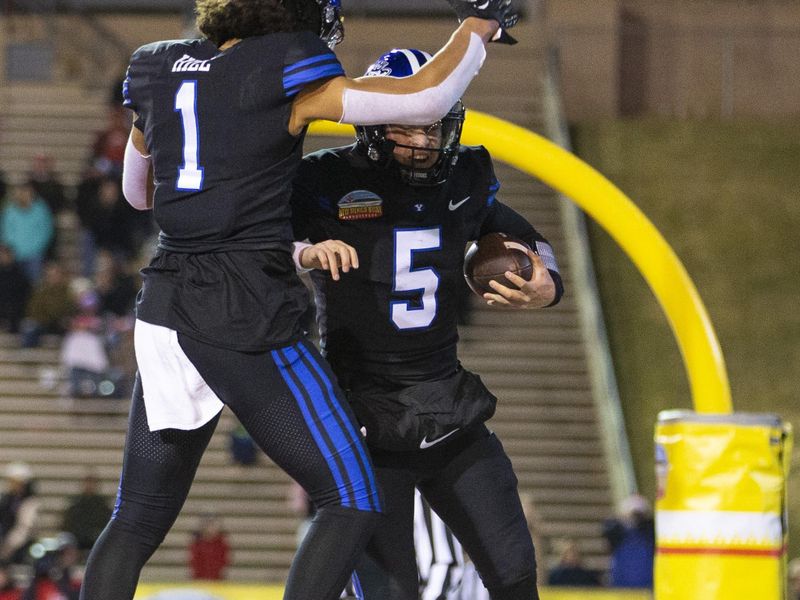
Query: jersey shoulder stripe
x,y
328,67
307,62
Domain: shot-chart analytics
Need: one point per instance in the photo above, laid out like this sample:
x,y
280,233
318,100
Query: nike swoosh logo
x,y
452,206
426,444
483,6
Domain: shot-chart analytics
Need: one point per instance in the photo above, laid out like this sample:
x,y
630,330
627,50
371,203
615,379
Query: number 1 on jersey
x,y
190,175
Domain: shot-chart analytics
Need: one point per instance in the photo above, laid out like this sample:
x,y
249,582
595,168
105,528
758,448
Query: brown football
x,y
491,256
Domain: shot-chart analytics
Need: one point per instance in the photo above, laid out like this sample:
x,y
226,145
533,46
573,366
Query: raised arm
x,y
419,99
137,175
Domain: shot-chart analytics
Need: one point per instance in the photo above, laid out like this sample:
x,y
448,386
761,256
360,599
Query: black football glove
x,y
501,11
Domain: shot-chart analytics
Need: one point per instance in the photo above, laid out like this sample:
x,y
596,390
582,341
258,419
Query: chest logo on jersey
x,y
360,204
187,63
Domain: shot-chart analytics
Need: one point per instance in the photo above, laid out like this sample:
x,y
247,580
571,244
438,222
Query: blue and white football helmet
x,y
402,62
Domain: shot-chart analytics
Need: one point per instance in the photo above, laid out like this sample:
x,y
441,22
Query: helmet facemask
x,y
380,150
419,167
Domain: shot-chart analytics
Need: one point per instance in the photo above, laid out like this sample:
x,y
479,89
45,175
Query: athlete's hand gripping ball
x,y
536,292
501,11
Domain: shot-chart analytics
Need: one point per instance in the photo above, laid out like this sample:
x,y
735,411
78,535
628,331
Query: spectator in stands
x,y
50,307
243,449
46,182
570,570
85,202
84,354
9,590
117,291
631,539
108,150
794,579
55,572
19,510
209,552
15,290
26,225
86,514
48,186
116,288
107,222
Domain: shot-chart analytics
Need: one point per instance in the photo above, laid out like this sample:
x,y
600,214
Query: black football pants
x,y
288,402
471,485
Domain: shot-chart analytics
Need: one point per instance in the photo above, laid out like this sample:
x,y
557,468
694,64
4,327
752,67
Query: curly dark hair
x,y
222,20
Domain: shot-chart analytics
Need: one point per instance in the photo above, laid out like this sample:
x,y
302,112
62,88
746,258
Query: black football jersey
x,y
216,124
395,318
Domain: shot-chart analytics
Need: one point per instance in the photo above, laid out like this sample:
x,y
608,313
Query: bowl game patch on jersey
x,y
360,204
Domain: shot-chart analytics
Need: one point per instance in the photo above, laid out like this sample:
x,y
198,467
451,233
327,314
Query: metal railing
x,y
601,368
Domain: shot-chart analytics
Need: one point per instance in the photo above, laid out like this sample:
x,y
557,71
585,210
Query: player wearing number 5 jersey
x,y
407,200
220,121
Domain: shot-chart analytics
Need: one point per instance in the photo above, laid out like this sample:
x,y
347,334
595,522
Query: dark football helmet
x,y
402,62
323,16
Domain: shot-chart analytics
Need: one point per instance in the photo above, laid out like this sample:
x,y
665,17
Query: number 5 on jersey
x,y
408,279
190,175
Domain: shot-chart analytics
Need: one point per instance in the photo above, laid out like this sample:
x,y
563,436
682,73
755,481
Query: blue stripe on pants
x,y
284,367
327,417
351,432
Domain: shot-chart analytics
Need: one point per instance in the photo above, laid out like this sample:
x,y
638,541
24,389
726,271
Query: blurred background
x,y
690,106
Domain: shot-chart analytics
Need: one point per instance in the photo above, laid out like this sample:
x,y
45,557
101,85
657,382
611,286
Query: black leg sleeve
x,y
320,556
476,496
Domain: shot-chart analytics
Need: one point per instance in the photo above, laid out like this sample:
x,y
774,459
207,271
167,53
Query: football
x,y
491,256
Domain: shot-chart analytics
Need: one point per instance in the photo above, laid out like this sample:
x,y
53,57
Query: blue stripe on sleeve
x,y
284,365
308,61
126,97
342,446
294,83
350,430
492,193
358,591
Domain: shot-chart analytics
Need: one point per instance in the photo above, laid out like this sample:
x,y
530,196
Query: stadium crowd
x,y
86,303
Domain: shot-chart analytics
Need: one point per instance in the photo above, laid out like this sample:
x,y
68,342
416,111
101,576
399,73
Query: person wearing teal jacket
x,y
26,225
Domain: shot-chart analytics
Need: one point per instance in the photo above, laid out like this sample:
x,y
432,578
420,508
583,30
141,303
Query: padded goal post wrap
x,y
721,507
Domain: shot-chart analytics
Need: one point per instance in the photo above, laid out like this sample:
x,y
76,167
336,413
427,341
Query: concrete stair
x,y
58,120
62,437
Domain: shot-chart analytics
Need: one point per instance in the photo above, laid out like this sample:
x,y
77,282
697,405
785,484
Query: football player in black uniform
x,y
221,121
408,200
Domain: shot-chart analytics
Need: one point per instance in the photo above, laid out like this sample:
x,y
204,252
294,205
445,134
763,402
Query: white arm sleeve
x,y
297,249
419,108
134,177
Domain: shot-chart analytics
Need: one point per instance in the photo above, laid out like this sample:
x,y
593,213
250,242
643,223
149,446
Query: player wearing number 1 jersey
x,y
407,200
221,121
